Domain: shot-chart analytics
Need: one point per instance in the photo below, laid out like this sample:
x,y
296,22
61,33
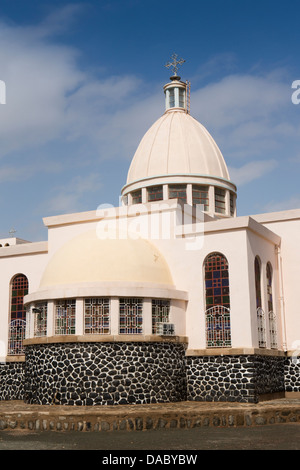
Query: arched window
x,y
260,314
271,314
17,324
217,298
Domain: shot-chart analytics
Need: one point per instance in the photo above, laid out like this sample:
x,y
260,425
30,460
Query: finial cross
x,y
175,62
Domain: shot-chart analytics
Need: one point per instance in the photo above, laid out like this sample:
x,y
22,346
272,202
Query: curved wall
x,y
105,373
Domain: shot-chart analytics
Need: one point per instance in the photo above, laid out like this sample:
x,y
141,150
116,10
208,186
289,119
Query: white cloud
x,y
248,115
251,171
68,197
292,203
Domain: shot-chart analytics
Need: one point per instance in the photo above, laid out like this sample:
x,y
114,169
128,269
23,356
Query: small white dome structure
x,y
178,158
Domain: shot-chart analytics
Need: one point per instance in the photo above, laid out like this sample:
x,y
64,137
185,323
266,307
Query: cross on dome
x,y
175,63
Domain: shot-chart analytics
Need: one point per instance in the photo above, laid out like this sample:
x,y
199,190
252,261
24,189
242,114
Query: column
x,y
147,317
79,317
189,194
211,199
114,316
50,318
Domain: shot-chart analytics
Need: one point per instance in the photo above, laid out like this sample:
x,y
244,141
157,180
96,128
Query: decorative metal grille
x,y
131,315
65,317
96,316
273,330
160,313
16,335
40,319
200,196
218,331
261,328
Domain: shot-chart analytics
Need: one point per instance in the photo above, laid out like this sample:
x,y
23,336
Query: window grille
x,y
16,335
220,206
200,196
273,330
40,319
178,191
218,332
136,196
160,313
155,193
96,316
261,328
131,315
65,317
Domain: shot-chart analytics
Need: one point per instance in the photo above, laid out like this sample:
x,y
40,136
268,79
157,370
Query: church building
x,y
169,297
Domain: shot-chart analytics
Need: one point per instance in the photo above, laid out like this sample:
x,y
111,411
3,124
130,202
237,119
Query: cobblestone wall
x,y
125,373
233,378
105,373
292,374
12,381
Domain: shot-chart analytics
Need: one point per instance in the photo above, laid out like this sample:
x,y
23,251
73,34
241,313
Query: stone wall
x,y
12,381
234,378
292,374
128,373
105,373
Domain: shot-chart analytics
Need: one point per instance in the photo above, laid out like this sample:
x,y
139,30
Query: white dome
x,y
177,144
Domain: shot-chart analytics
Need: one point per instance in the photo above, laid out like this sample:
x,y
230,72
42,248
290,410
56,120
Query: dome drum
x,y
188,189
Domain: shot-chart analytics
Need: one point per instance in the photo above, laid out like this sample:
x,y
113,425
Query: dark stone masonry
x,y
105,373
234,378
141,373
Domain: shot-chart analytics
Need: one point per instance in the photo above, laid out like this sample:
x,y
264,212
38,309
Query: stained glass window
x,y
155,193
178,191
200,196
40,319
160,312
220,200
19,288
218,331
269,287
17,325
232,204
136,196
217,281
131,315
65,317
257,270
96,316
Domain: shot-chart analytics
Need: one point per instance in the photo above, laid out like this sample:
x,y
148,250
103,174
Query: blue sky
x,y
84,82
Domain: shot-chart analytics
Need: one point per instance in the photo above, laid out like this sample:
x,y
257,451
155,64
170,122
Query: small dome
x,y
89,259
177,144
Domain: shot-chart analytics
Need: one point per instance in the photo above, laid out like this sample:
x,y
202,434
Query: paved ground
x,y
270,425
274,437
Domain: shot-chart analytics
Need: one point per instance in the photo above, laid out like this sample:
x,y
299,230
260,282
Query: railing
x,y
16,335
218,331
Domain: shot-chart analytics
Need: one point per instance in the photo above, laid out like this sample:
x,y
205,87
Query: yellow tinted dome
x,y
86,258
